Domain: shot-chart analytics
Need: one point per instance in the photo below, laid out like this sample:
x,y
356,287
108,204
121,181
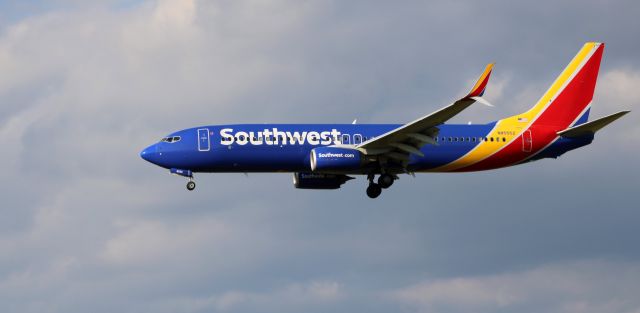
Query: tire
x,y
385,181
373,191
191,185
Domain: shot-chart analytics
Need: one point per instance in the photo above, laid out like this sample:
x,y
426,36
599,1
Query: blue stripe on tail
x,y
583,119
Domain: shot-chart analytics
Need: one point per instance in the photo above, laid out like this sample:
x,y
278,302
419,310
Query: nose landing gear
x,y
191,185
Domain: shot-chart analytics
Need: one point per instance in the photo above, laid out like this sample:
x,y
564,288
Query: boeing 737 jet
x,y
323,156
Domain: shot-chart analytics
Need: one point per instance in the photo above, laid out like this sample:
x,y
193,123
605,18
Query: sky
x,y
88,226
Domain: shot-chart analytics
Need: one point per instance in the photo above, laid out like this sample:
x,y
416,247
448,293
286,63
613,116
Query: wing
x,y
407,139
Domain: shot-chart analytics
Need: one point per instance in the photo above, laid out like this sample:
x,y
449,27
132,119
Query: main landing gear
x,y
384,181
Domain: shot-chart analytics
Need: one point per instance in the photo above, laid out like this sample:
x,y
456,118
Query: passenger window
x,y
504,139
474,139
346,139
450,139
357,139
491,139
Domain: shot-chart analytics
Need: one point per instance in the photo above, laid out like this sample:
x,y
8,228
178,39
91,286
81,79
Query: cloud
x,y
89,226
301,295
587,286
616,92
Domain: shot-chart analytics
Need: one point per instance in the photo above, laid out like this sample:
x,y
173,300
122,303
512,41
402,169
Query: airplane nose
x,y
150,154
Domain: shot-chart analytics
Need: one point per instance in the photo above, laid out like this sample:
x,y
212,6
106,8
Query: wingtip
x,y
621,113
481,85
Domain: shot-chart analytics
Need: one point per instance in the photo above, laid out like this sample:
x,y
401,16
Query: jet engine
x,y
319,181
326,159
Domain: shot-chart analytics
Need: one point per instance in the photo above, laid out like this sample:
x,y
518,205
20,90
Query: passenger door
x,y
527,141
204,143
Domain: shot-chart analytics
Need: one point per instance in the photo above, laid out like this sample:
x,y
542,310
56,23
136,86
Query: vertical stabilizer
x,y
568,100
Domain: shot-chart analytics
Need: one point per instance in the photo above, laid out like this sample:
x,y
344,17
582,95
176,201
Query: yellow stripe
x,y
513,125
561,80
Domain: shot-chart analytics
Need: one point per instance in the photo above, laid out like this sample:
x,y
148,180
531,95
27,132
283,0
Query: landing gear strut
x,y
374,190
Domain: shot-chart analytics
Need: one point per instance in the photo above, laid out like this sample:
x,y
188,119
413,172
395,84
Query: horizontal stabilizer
x,y
591,127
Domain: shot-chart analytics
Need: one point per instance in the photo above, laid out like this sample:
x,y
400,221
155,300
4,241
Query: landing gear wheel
x,y
191,185
373,191
385,181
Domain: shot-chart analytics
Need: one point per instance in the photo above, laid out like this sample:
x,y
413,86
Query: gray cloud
x,y
88,226
593,286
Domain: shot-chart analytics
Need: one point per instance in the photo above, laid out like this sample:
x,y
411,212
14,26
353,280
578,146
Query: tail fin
x,y
568,100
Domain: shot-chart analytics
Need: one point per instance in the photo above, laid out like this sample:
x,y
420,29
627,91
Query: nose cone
x,y
150,154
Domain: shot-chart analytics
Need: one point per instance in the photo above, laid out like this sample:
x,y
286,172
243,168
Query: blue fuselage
x,y
287,147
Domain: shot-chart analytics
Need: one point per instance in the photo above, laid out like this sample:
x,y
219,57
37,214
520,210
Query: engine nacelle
x,y
319,181
335,159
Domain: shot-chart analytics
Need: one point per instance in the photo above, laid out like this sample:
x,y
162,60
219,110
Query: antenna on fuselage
x,y
354,121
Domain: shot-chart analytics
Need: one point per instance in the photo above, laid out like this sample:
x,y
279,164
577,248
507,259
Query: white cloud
x,y
589,286
296,295
617,90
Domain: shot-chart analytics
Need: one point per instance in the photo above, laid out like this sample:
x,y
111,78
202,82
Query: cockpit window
x,y
170,139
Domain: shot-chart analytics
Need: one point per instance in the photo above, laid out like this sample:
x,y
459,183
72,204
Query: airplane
x,y
323,156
